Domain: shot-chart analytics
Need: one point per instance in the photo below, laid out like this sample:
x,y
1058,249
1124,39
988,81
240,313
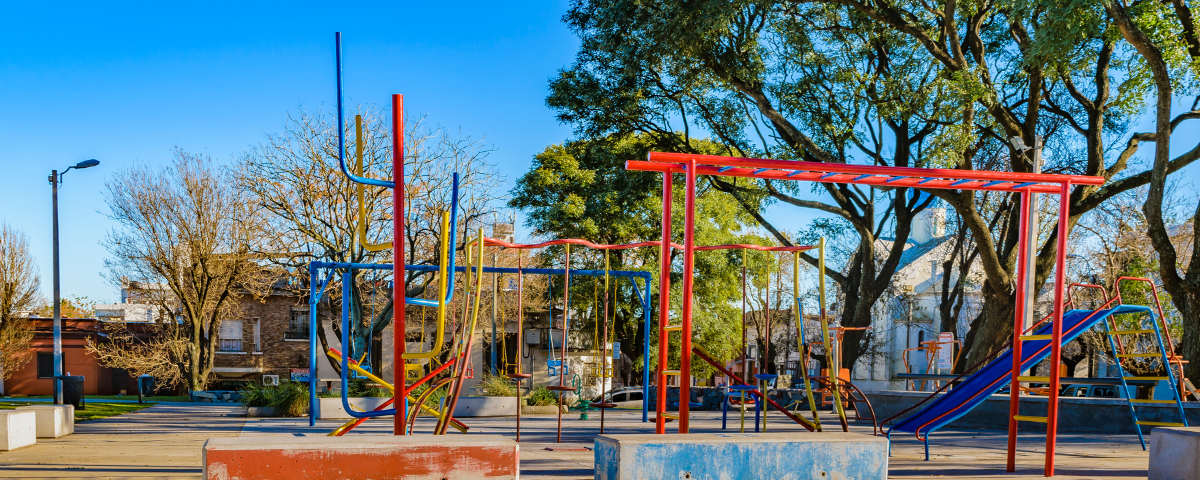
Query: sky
x,y
126,85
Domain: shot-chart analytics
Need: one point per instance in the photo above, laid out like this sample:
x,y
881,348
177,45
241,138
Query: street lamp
x,y
55,179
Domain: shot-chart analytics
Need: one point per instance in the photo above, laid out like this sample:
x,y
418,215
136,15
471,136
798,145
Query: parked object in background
x,y
53,421
624,397
18,428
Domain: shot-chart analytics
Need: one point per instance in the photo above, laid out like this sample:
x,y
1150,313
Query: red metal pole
x,y
744,358
1018,327
689,251
664,306
400,373
1060,275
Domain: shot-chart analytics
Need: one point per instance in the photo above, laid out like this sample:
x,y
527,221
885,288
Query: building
x,y
37,376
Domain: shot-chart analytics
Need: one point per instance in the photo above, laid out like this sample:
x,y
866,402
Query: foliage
x,y
289,399
187,240
495,386
541,397
74,306
19,283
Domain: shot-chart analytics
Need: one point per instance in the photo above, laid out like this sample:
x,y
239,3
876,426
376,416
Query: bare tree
x,y
188,236
19,283
311,208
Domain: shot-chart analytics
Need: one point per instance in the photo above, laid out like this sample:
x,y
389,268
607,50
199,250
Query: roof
x,y
915,252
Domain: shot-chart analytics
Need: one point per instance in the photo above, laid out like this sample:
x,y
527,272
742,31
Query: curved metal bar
x,y
342,127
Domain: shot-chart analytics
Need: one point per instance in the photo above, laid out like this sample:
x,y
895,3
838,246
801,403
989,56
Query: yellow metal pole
x,y
830,358
812,405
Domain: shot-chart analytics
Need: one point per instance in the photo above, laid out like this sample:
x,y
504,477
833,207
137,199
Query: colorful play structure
x,y
1136,333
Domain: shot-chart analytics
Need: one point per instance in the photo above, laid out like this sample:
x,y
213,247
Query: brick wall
x,y
276,353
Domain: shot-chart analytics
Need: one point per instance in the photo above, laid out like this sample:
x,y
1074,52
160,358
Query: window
x,y
297,326
230,336
45,365
257,335
635,396
620,397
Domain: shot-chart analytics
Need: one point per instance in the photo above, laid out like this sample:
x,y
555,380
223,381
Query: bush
x,y
289,399
542,397
496,386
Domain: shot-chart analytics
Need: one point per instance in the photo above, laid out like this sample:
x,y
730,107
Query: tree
x,y
74,306
884,83
580,189
1167,42
190,236
19,283
311,209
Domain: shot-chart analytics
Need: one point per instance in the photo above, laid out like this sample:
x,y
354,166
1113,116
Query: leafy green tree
x,y
580,189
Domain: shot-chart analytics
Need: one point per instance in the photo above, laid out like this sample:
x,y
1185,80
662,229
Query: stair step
x,y
1036,337
1138,355
1160,424
1033,379
672,372
1147,378
1029,418
1151,401
1129,332
673,328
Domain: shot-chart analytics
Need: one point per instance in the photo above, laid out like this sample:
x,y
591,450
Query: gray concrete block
x,y
53,421
743,456
1174,453
18,428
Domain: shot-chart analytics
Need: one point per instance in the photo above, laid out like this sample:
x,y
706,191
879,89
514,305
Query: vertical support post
x,y
1031,229
745,359
495,297
645,350
56,326
689,252
399,366
664,307
1023,271
1060,275
312,346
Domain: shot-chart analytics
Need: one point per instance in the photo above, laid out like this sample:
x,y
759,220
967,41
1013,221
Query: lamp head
x,y
87,163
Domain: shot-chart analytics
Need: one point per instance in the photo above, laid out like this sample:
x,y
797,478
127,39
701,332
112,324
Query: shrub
x,y
542,397
496,386
289,399
255,395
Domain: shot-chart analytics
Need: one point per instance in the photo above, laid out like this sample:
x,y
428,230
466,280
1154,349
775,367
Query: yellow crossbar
x,y
1034,379
1028,418
1129,332
1160,424
1138,355
1151,401
1036,337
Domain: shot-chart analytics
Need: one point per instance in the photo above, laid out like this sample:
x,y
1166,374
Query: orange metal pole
x,y
1060,266
1014,386
664,307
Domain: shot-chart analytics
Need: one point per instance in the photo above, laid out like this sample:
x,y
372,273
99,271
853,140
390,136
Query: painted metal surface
x,y
408,457
742,456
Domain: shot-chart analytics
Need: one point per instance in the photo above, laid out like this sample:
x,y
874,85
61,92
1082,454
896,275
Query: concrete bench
x,y
1174,453
289,457
713,456
53,421
18,428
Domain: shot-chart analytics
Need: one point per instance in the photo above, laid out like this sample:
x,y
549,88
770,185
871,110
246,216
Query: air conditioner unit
x,y
270,380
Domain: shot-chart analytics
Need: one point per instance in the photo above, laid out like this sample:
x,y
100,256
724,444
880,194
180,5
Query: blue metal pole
x,y
646,351
312,345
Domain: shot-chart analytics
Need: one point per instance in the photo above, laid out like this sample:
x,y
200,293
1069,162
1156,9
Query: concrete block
x,y
53,421
485,407
18,428
1174,453
331,408
743,456
448,457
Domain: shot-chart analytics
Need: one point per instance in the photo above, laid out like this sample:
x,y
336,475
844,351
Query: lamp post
x,y
55,178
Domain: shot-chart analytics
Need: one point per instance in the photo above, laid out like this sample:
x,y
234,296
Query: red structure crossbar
x,y
1026,184
492,242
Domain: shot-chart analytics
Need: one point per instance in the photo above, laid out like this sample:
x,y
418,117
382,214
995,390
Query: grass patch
x,y
95,410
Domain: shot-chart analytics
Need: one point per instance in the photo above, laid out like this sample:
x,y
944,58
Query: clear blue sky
x,y
127,84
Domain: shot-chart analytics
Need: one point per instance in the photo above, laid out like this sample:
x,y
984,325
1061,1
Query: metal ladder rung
x,y
673,328
672,372
1034,379
1160,424
669,415
1150,401
1029,418
1146,378
1138,355
1036,337
1129,332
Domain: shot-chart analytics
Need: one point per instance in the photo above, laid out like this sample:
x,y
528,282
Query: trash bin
x,y
72,388
145,385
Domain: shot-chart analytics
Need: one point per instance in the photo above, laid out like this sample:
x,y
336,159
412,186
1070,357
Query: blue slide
x,y
973,390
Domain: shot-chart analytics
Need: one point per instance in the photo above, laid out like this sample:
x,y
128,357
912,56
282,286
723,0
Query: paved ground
x,y
164,442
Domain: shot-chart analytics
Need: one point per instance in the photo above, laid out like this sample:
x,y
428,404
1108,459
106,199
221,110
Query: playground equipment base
x,y
715,456
1175,453
53,421
361,457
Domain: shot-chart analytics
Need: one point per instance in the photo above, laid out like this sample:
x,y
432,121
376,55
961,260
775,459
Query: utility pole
x,y
55,178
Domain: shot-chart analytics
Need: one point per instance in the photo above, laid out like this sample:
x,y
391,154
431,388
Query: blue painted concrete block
x,y
742,456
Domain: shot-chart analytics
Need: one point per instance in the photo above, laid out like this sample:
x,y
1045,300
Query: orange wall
x,y
97,380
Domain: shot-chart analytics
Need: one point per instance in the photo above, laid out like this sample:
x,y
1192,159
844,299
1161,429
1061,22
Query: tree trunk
x,y
992,328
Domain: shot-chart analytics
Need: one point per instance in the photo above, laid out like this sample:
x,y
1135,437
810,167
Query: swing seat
x,y
603,405
518,376
560,388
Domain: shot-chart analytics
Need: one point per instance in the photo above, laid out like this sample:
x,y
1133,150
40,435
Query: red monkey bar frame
x,y
878,176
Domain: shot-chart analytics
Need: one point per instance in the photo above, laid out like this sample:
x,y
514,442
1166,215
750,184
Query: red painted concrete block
x,y
425,457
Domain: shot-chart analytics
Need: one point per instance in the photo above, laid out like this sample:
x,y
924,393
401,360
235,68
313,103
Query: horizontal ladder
x,y
1029,418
